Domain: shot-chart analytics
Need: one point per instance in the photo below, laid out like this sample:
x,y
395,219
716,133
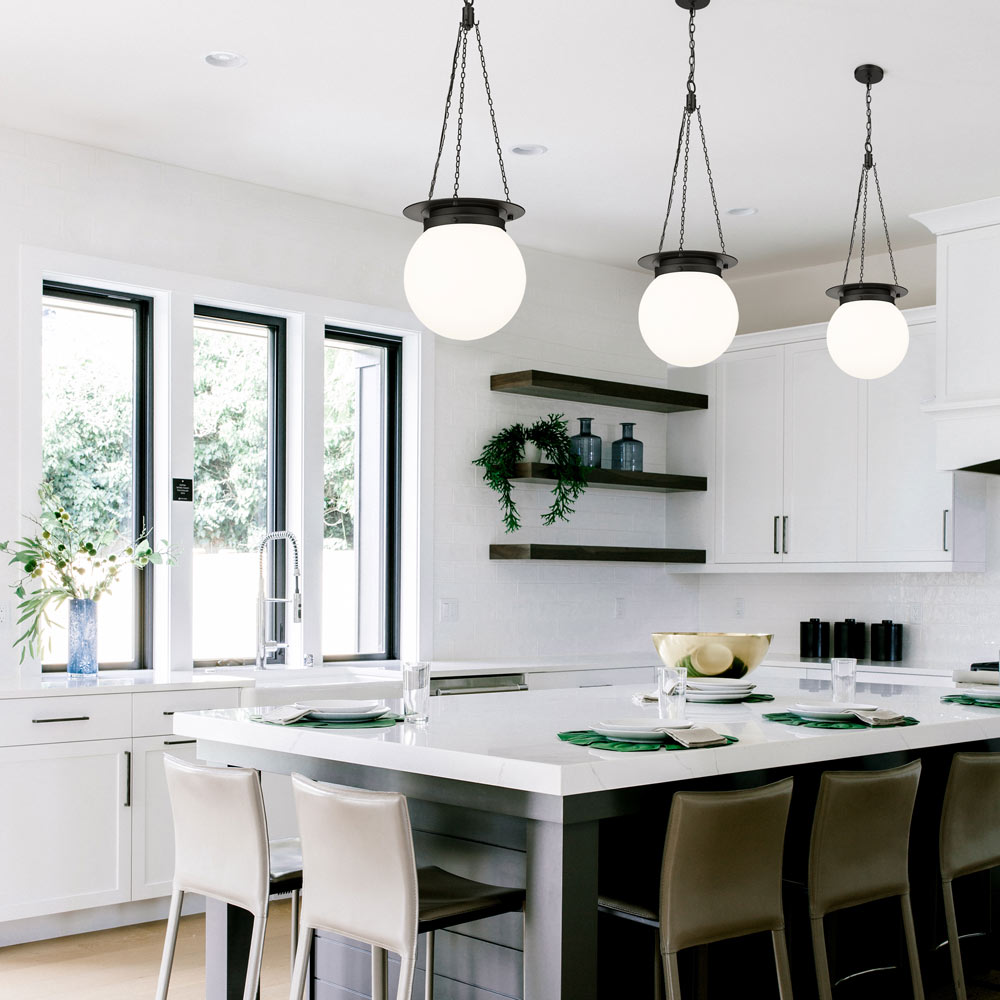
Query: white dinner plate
x,y
717,697
982,694
830,712
637,730
340,710
718,683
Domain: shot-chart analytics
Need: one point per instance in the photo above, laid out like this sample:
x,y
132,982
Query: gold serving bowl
x,y
712,654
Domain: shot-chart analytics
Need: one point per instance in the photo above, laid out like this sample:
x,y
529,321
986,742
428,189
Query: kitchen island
x,y
495,795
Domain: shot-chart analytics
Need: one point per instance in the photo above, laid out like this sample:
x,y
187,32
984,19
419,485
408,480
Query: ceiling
x,y
343,101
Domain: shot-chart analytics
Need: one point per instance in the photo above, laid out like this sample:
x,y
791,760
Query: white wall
x,y
577,317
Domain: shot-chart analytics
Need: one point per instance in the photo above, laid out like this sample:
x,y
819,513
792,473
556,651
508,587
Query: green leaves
x,y
505,449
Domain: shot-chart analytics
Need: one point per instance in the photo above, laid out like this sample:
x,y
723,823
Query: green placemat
x,y
588,738
759,697
384,723
787,719
968,699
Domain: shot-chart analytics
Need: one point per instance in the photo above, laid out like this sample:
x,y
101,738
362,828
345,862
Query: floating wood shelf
x,y
615,479
597,553
597,391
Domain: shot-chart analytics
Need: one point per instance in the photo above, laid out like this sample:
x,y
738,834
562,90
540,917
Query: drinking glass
x,y
671,689
416,692
842,674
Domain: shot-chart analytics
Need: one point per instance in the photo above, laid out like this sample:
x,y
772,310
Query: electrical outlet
x,y
619,607
915,614
740,608
447,610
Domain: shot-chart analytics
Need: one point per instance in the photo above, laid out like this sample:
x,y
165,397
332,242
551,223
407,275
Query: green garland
x,y
505,449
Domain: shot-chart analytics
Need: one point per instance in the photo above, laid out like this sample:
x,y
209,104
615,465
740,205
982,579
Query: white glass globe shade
x,y
464,280
867,338
688,318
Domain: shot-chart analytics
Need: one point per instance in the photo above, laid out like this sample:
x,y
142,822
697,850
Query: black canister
x,y
814,639
887,641
849,639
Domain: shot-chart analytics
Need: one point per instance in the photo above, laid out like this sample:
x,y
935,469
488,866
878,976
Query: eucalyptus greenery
x,y
63,562
505,449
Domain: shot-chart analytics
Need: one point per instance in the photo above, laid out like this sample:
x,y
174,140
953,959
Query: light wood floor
x,y
123,963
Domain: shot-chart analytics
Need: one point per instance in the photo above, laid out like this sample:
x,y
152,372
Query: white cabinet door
x,y
749,456
903,495
65,833
152,821
821,457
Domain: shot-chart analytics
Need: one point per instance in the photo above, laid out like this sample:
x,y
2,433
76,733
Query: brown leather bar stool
x,y
970,835
708,890
859,851
360,879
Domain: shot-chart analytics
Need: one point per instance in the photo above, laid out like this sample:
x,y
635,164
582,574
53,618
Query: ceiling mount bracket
x,y
869,74
692,4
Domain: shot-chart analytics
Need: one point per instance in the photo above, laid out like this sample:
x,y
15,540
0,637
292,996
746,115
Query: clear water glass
x,y
671,692
416,692
843,670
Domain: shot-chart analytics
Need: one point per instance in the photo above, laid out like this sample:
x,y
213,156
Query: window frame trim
x,y
392,471
142,466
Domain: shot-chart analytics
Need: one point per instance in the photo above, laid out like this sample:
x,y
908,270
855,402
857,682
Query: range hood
x,y
966,409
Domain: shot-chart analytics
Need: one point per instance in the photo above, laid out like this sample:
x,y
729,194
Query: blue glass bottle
x,y
82,636
587,445
626,452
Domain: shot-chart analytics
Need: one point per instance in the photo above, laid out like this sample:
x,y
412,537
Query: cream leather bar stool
x,y
710,892
221,850
970,836
859,852
361,880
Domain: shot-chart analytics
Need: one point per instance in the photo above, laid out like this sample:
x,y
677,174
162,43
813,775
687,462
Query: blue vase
x,y
626,452
587,445
82,636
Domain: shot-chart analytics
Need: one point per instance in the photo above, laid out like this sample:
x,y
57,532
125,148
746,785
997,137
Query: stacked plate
x,y
343,711
638,730
717,690
982,694
831,711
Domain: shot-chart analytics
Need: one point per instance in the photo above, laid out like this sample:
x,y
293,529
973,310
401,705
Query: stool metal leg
x,y
820,960
169,944
255,957
957,973
305,937
295,923
657,967
429,968
781,964
380,974
911,947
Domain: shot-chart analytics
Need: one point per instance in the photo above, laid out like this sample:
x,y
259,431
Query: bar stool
x,y
221,850
970,835
361,880
712,889
858,853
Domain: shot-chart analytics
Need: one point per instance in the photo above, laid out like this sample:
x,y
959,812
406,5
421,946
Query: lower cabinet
x,y
66,827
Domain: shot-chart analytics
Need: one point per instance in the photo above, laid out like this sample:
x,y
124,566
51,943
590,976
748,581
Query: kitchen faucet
x,y
264,645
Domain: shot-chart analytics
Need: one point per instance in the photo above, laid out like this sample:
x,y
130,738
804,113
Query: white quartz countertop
x,y
35,685
509,740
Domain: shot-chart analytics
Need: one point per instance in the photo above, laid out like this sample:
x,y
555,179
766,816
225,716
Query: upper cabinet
x,y
818,471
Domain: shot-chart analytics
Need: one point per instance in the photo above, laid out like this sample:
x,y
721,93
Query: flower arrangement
x,y
65,562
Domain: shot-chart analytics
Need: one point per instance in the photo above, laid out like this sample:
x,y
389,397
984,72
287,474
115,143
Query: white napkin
x,y
879,717
696,736
983,677
285,715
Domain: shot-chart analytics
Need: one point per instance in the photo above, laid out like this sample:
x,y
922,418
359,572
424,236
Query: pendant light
x,y
688,314
868,336
464,277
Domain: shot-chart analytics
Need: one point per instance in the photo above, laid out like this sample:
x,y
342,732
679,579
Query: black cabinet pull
x,y
168,713
128,778
776,552
784,534
944,530
68,718
176,743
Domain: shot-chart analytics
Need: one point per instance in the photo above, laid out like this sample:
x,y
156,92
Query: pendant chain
x,y
691,109
868,169
458,70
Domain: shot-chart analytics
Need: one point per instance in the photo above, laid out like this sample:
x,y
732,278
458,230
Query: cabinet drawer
x,y
153,712
68,719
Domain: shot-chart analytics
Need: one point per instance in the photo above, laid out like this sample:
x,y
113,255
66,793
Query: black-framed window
x,y
97,406
239,479
361,476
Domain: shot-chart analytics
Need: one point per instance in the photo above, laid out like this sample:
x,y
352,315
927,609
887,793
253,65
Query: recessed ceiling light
x,y
226,60
742,211
529,149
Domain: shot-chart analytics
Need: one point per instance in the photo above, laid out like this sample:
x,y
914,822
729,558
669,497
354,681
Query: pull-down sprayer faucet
x,y
264,645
